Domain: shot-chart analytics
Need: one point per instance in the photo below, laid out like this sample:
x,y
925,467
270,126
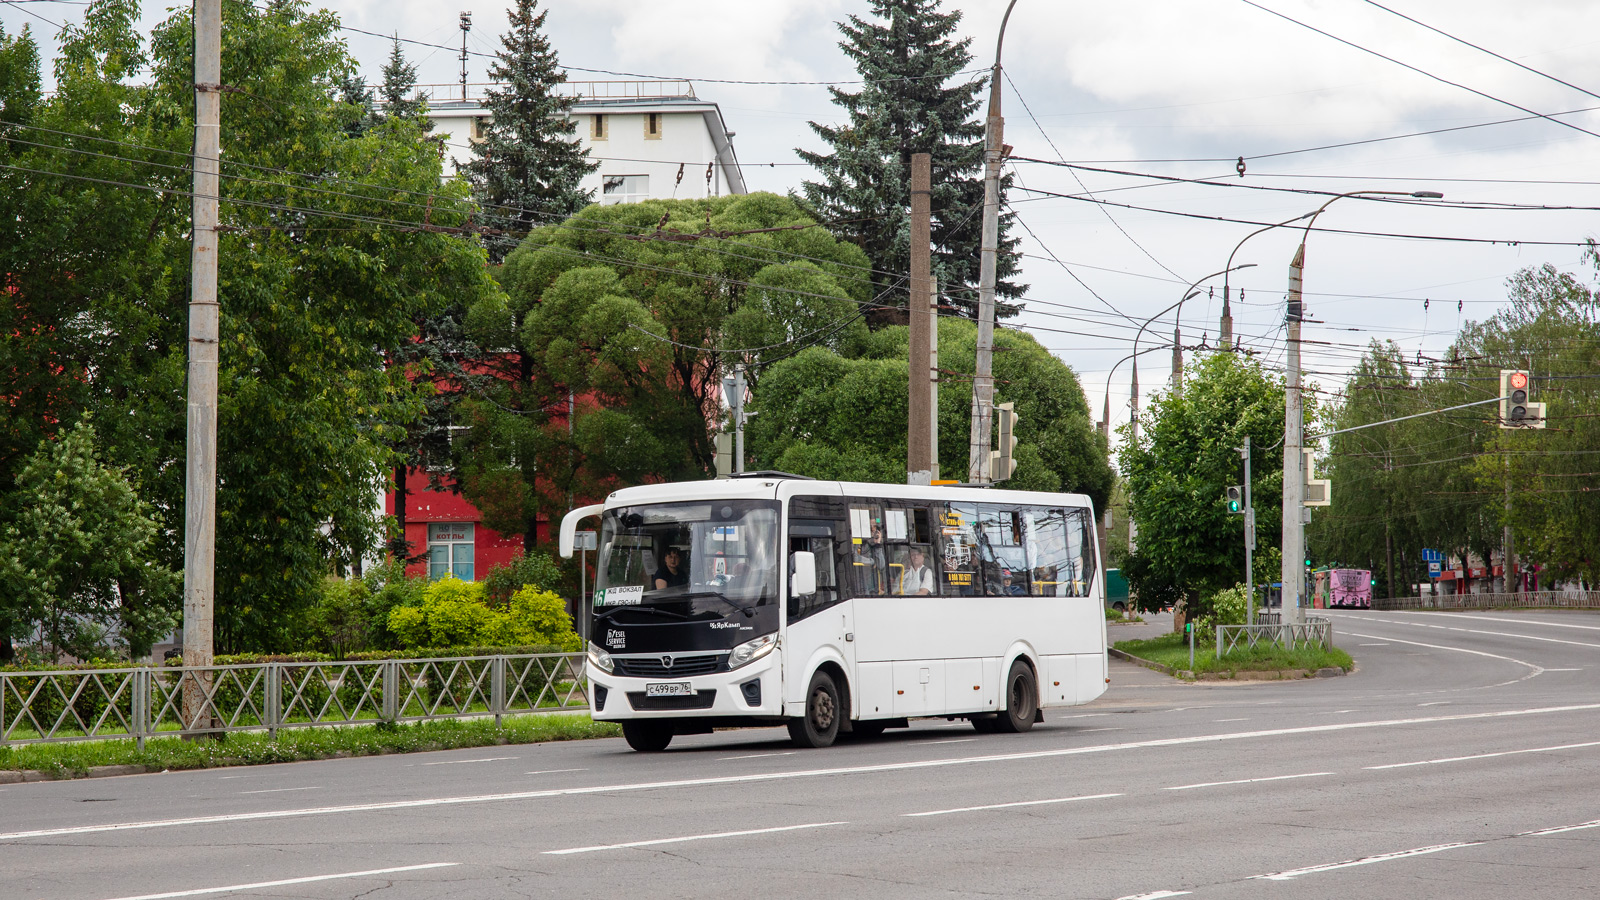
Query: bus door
x,y
821,620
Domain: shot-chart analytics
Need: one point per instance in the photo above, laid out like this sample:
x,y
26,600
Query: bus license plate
x,y
669,689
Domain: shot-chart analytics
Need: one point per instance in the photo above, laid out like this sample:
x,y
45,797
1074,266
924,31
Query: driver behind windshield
x,y
672,572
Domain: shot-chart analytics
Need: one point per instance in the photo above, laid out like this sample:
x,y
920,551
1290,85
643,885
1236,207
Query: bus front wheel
x,y
649,736
820,724
1022,700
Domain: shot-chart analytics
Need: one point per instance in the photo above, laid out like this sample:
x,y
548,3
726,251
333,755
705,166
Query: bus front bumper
x,y
755,689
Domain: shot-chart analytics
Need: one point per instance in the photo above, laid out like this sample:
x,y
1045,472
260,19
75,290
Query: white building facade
x,y
654,140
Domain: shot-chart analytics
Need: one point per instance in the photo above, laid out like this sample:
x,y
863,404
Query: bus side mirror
x,y
803,573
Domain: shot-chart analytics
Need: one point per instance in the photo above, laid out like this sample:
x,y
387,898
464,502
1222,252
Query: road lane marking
x,y
1155,895
1246,719
946,812
1365,861
953,741
1537,669
694,837
1372,645
259,885
1107,728
1525,637
553,771
795,773
1436,703
283,790
1451,759
1189,787
1560,829
1579,669
457,762
756,756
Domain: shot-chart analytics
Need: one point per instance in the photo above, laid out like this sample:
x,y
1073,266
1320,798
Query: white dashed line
x,y
946,812
259,885
694,837
1190,787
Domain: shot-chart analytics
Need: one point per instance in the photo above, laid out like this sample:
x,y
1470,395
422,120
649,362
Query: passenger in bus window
x,y
916,578
1008,585
672,572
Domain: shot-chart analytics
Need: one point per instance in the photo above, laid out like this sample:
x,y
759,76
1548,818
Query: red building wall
x,y
425,506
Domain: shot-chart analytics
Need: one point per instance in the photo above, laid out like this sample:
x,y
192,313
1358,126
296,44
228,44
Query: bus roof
x,y
779,488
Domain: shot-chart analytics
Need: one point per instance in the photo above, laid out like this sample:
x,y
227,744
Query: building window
x,y
624,189
450,550
597,127
652,126
480,127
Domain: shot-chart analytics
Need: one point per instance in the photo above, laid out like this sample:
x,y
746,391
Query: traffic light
x,y
1002,465
1515,409
1235,498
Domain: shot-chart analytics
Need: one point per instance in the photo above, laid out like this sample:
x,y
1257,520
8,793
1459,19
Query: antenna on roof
x,y
466,26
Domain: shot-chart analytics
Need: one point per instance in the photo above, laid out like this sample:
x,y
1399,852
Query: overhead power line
x,y
1423,72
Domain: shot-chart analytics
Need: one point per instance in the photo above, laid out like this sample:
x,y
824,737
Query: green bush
x,y
528,570
1225,607
457,613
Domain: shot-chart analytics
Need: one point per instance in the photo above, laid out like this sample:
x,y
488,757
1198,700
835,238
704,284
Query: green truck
x,y
1116,591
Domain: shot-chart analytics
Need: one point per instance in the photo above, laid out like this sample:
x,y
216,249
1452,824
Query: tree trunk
x,y
399,547
1388,543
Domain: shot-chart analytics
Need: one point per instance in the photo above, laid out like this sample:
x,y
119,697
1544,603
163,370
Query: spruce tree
x,y
399,84
527,167
907,55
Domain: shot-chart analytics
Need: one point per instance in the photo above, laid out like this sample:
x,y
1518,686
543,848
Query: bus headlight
x,y
600,658
750,651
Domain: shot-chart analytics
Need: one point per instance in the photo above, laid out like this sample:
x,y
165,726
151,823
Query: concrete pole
x,y
1294,476
1177,361
1249,540
919,465
983,368
933,378
738,419
200,475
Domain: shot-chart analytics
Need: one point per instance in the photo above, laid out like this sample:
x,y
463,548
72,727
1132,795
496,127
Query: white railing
x,y
1314,631
137,703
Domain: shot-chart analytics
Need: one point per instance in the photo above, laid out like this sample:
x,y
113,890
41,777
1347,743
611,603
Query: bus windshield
x,y
702,560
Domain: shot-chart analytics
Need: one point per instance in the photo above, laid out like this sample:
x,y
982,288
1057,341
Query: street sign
x,y
1435,569
1432,556
583,540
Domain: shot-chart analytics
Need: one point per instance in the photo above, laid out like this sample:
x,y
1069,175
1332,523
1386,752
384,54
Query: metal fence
x,y
137,703
1525,600
1314,631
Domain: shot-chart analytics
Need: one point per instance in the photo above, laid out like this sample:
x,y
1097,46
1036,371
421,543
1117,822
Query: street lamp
x,y
1294,473
1188,293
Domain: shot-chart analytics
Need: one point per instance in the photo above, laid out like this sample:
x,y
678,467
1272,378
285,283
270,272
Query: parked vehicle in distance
x,y
836,607
1117,591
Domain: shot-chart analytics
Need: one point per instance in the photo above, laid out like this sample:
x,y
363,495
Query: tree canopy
x,y
837,415
1188,544
627,316
335,242
907,55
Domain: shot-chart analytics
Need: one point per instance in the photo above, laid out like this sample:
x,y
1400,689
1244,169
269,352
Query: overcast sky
x,y
1173,89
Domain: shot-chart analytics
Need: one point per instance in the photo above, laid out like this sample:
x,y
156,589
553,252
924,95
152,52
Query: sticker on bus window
x,y
958,577
860,522
895,524
624,595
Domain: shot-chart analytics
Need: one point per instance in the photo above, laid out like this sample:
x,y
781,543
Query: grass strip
x,y
1173,650
71,760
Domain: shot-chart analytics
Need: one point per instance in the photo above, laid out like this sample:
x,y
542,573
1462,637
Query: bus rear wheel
x,y
820,724
1022,700
647,737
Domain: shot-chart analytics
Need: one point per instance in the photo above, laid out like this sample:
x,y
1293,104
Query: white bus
x,y
834,607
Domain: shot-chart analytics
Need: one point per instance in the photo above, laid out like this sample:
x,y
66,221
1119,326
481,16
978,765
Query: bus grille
x,y
699,700
682,666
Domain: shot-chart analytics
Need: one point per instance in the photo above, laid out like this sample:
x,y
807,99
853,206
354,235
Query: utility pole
x,y
1249,540
983,366
733,393
919,463
466,26
1294,476
1508,558
933,379
200,473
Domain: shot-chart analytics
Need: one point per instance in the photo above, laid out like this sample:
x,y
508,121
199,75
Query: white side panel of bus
x,y
1059,684
919,687
965,688
874,691
810,641
1091,676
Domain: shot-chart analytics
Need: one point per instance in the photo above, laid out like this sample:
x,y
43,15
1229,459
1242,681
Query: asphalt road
x,y
1461,761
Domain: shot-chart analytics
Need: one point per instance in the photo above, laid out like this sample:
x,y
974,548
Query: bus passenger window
x,y
1055,554
869,559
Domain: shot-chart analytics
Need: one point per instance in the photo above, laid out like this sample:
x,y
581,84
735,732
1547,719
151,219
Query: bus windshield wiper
x,y
649,609
749,612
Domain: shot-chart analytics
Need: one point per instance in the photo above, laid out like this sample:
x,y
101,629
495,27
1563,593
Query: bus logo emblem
x,y
666,662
